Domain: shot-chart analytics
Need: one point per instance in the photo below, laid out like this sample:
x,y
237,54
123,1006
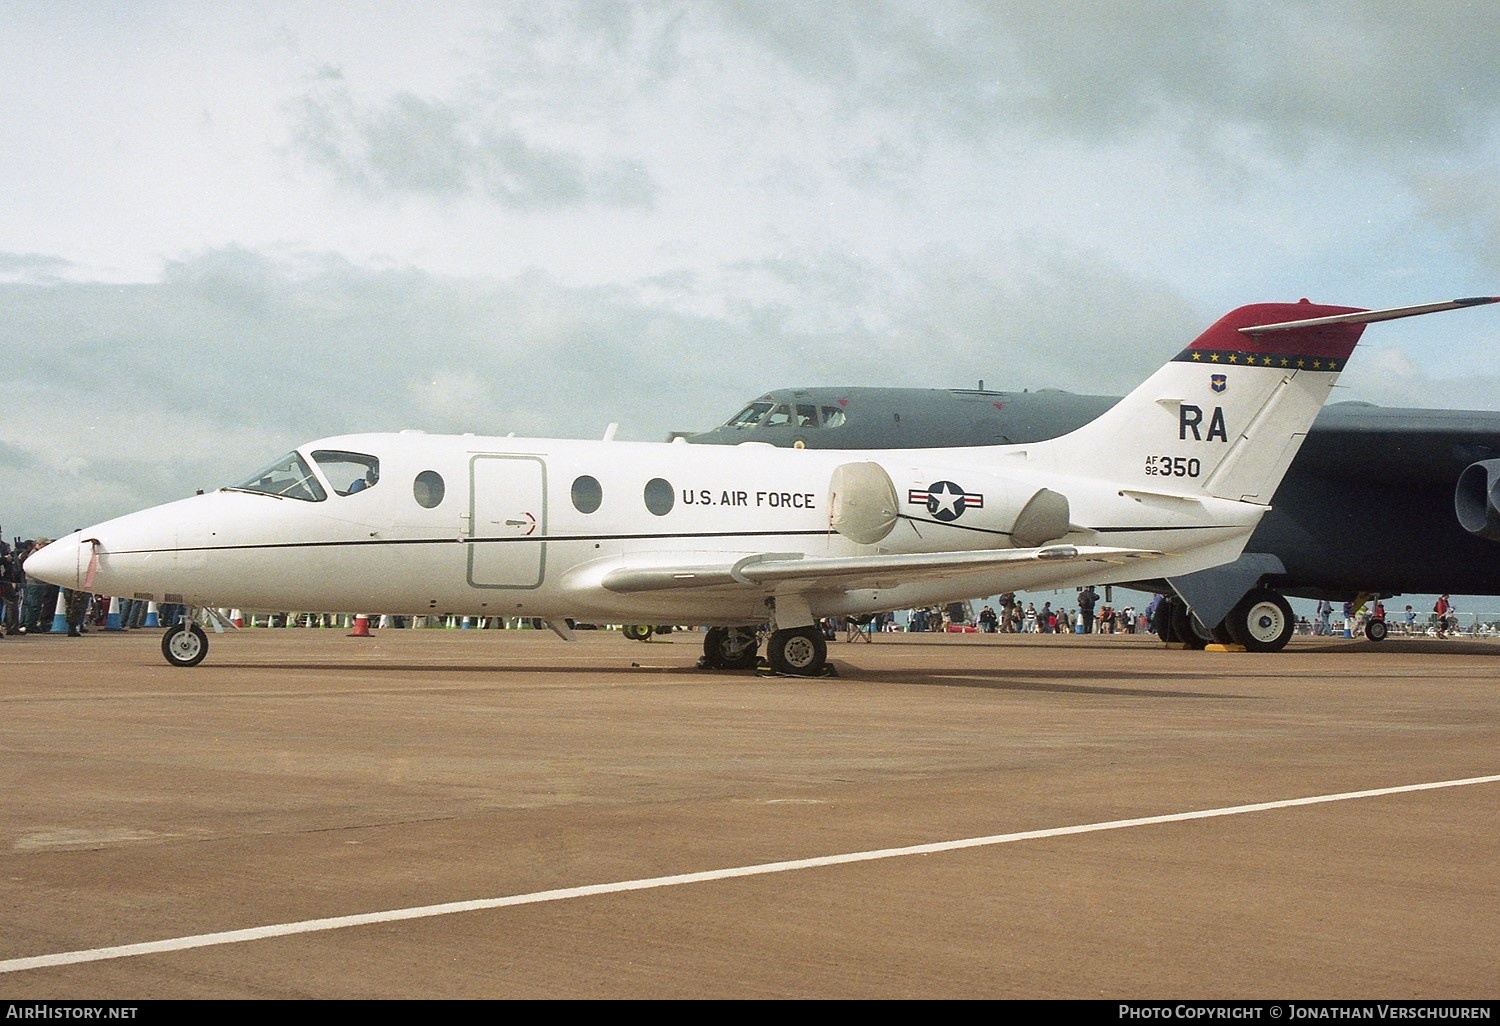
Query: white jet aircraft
x,y
744,537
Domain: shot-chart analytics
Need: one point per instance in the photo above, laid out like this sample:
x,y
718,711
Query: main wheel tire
x,y
798,652
731,648
1221,635
1376,630
184,645
638,631
1262,622
1164,620
1185,628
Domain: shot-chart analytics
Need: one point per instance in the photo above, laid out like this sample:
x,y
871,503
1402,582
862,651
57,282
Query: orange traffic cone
x,y
361,626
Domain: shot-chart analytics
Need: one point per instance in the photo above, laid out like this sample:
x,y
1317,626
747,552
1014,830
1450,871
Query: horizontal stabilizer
x,y
1370,316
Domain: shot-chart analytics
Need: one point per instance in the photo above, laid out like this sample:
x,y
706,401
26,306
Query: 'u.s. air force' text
x,y
773,500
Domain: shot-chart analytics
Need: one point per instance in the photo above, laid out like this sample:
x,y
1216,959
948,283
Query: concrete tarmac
x,y
499,814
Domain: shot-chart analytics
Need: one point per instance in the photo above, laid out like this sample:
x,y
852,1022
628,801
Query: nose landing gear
x,y
184,644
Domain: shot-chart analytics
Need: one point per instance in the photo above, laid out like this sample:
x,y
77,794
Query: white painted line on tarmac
x,y
563,894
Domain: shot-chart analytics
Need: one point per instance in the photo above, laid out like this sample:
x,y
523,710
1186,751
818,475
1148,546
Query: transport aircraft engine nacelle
x,y
866,503
1476,499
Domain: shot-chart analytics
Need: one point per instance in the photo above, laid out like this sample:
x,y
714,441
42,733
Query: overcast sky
x,y
229,228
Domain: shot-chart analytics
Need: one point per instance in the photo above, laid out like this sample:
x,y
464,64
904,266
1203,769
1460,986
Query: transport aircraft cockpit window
x,y
779,417
750,415
289,477
764,413
348,472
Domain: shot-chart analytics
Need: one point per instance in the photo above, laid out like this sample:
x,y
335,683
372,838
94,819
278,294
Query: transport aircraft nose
x,y
63,562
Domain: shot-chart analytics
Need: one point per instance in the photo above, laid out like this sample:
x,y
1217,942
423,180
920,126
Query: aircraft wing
x,y
853,572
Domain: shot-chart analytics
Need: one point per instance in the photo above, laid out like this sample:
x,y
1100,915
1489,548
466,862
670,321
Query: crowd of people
x,y
1091,616
1443,620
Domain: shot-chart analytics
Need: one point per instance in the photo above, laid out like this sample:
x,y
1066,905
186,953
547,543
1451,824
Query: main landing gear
x,y
793,652
1262,621
798,651
731,648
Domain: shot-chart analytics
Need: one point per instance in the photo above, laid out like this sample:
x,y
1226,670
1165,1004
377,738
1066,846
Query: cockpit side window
x,y
289,477
348,472
833,417
750,415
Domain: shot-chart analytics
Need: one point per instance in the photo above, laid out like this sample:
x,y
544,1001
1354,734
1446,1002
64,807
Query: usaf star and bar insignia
x,y
944,500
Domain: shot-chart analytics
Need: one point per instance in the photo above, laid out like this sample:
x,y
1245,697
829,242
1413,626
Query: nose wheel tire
x,y
798,652
1262,622
184,645
1376,630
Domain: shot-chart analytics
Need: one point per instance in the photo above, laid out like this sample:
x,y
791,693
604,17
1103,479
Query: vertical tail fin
x,y
1227,415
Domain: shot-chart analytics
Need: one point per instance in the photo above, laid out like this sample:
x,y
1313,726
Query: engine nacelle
x,y
866,504
1476,499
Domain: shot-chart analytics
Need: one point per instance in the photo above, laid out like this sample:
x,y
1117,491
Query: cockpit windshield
x,y
765,413
348,472
289,477
750,415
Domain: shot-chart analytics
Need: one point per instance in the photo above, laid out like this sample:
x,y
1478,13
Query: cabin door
x,y
507,521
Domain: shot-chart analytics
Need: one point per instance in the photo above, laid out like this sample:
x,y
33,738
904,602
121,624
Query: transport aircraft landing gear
x,y
1175,623
1376,630
1194,635
798,652
1262,622
731,648
184,645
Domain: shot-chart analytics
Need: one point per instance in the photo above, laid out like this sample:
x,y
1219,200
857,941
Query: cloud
x,y
413,145
32,267
1297,76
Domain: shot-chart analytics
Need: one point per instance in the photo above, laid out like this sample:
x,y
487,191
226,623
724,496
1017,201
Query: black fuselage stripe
x,y
575,538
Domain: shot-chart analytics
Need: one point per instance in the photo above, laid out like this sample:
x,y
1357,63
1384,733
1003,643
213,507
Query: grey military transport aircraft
x,y
1378,501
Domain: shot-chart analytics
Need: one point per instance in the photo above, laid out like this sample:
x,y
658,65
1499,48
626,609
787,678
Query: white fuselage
x,y
531,527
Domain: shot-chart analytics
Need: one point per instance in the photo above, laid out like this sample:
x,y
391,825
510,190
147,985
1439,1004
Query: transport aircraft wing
x,y
811,573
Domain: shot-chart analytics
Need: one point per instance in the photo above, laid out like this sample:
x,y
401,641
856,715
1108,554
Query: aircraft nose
x,y
63,562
